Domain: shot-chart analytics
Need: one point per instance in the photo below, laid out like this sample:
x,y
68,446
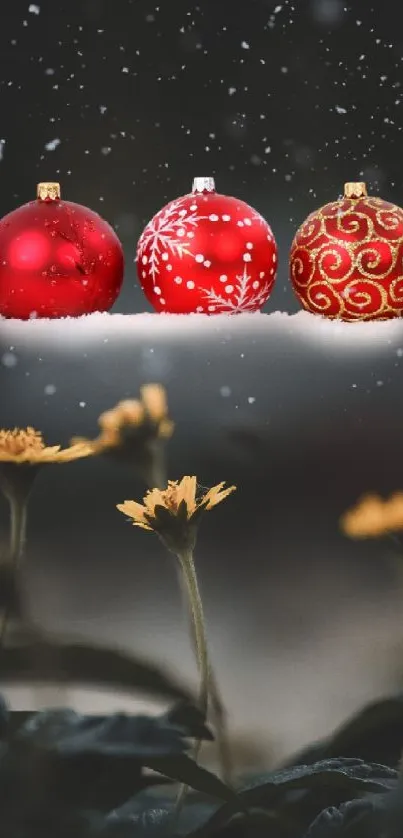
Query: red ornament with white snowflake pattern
x,y
206,253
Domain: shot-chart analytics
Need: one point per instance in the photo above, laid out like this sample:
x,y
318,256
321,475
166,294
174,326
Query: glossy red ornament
x,y
346,260
57,259
207,253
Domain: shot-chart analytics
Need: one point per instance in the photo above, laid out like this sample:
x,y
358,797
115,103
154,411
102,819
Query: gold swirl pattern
x,y
346,260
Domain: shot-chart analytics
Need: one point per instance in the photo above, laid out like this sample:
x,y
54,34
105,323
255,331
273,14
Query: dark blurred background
x,y
124,103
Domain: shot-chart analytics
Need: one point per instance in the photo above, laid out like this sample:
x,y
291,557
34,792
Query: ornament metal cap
x,y
355,190
48,191
203,184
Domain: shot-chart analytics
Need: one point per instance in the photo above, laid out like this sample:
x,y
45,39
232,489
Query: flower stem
x,y
198,626
189,577
220,719
217,704
220,724
18,523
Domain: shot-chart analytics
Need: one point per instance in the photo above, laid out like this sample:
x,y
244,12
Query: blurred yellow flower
x,y
23,452
133,418
134,431
173,513
26,446
373,517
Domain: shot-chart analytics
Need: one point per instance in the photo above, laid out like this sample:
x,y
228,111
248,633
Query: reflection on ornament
x,y
57,259
346,260
207,253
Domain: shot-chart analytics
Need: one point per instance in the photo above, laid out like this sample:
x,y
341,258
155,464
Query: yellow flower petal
x,y
186,490
154,400
109,420
133,510
166,428
394,512
373,517
27,446
216,494
153,498
131,412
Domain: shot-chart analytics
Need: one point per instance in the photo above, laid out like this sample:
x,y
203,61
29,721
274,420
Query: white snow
x,y
53,144
71,334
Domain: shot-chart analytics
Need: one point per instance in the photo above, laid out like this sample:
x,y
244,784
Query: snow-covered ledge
x,y
304,329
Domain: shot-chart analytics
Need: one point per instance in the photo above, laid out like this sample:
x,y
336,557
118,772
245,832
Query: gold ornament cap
x,y
48,191
203,184
355,190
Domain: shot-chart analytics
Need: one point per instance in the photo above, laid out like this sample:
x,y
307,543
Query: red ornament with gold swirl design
x,y
346,260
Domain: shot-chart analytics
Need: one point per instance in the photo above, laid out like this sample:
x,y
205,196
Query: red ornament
x,y
207,253
346,260
57,259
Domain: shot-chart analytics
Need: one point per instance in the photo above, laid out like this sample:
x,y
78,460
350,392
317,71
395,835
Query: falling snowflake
x,y
245,296
167,231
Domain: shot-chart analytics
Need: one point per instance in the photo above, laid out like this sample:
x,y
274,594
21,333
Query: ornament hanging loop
x,y
203,184
48,191
355,190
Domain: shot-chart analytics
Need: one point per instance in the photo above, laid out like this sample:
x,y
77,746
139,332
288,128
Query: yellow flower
x,y
133,419
373,517
174,513
23,452
26,446
134,431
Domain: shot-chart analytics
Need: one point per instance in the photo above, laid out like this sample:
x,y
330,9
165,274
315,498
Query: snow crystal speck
x,y
9,359
53,144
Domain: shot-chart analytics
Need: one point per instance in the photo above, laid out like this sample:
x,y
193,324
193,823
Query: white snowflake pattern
x,y
246,296
167,232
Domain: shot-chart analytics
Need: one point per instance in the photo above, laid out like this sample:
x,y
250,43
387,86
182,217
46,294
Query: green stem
x,y
220,719
18,523
189,578
198,626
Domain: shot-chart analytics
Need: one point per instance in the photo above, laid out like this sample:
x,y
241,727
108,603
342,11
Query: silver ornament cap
x,y
203,184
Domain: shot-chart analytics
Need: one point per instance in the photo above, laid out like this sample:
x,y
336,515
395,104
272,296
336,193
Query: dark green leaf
x,y
51,823
149,815
78,663
300,793
68,734
97,761
191,719
375,734
352,775
363,818
185,770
